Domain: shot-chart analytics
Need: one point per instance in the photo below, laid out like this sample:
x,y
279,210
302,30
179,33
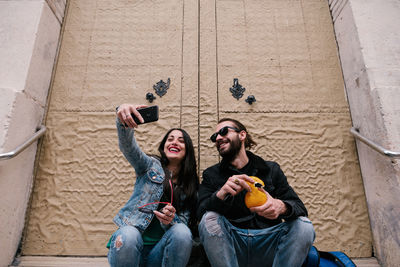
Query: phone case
x,y
149,114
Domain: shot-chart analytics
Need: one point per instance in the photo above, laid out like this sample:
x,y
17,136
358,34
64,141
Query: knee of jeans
x,y
209,224
127,237
304,229
181,233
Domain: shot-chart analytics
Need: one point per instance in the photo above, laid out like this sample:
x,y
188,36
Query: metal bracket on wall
x,y
150,97
237,90
250,99
161,87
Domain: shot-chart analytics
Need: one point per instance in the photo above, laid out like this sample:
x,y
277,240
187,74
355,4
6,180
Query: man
x,y
277,233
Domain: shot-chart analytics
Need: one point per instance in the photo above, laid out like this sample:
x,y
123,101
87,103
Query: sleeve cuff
x,y
289,211
221,204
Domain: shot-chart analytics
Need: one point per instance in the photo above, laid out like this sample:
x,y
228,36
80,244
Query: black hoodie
x,y
234,208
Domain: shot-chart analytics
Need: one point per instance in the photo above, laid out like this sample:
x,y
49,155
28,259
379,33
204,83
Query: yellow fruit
x,y
255,197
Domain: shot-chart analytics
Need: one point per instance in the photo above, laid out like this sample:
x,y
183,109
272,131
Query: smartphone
x,y
149,114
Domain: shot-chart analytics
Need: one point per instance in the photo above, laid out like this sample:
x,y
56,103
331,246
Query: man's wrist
x,y
220,195
284,208
288,210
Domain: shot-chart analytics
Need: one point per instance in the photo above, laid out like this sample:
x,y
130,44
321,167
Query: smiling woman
x,y
160,212
174,148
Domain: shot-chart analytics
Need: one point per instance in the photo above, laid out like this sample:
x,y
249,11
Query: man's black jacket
x,y
234,208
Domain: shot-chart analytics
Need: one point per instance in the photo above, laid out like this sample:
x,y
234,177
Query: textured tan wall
x,y
283,52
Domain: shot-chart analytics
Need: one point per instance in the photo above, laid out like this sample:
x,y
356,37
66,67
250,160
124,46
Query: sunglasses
x,y
147,210
222,132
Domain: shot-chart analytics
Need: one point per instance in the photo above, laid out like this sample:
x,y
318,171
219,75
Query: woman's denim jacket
x,y
148,186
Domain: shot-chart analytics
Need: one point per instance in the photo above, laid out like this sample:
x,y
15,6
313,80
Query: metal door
x,y
282,52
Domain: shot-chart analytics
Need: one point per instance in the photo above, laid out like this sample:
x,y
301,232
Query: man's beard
x,y
232,151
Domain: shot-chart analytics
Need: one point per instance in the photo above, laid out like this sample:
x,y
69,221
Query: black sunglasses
x,y
222,132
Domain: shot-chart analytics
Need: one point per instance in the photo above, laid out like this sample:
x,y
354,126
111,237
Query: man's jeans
x,y
285,244
173,249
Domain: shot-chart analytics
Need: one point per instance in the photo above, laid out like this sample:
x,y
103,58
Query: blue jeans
x,y
285,244
173,249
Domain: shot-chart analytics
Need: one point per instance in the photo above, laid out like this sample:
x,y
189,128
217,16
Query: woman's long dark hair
x,y
187,180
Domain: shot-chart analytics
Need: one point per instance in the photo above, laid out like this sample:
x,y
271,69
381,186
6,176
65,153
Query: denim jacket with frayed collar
x,y
148,186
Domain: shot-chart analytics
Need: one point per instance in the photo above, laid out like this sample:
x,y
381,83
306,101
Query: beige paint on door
x,y
282,52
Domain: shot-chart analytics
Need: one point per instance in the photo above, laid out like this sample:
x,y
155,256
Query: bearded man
x,y
277,233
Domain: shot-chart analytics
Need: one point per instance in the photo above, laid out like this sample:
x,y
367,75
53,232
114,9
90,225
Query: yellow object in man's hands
x,y
256,197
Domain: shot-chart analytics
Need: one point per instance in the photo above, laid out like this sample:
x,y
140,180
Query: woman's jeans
x,y
285,244
173,249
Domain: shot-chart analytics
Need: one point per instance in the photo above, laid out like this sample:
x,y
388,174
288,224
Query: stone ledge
x,y
42,261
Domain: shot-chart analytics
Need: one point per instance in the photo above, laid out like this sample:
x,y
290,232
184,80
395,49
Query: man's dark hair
x,y
248,142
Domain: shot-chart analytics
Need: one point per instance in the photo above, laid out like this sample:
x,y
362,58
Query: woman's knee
x,y
127,237
125,247
180,232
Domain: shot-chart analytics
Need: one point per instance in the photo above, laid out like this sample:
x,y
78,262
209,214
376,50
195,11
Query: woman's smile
x,y
174,149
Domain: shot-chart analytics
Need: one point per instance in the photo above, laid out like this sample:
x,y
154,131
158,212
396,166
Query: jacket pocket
x,y
155,176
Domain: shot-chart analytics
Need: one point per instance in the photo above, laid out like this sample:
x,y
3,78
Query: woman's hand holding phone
x,y
132,115
124,114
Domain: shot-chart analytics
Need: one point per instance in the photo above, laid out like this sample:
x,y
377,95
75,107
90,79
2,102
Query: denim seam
x,y
282,237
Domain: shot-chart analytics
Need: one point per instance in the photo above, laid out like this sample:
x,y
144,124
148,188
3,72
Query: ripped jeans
x,y
285,244
173,249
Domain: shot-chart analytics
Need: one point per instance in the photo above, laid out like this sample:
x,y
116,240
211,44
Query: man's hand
x,y
270,209
234,185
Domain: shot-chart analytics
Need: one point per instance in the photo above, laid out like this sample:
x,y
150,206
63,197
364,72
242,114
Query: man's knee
x,y
303,229
210,224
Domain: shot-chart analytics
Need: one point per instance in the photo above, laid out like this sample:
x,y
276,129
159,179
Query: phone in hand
x,y
149,114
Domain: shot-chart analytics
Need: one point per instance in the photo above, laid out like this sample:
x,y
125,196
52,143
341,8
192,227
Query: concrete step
x,y
46,261
42,261
366,262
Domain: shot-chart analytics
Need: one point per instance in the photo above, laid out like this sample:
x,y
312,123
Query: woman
x,y
154,223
